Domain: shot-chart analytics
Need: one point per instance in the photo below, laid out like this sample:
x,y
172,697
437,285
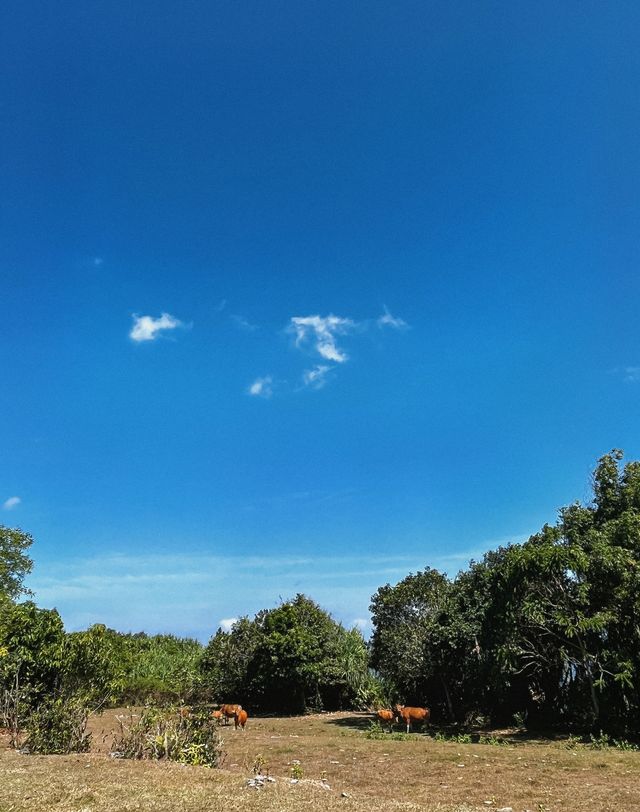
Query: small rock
x,y
293,781
505,809
344,795
271,779
459,765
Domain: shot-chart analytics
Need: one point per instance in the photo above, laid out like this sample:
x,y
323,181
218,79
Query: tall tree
x,y
15,564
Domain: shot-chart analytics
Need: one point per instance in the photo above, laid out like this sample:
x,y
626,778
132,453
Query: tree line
x,y
544,634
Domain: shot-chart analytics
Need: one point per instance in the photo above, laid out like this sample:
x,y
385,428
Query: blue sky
x,y
305,296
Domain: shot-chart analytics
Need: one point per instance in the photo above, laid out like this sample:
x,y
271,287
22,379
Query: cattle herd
x,y
408,714
404,712
231,711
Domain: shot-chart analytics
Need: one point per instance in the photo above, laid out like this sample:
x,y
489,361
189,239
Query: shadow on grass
x,y
455,733
360,722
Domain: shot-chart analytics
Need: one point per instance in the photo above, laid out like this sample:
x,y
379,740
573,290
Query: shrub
x,y
168,734
58,727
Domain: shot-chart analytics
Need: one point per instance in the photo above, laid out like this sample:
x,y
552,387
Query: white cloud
x,y
387,320
262,387
227,622
146,328
322,331
12,502
631,374
316,377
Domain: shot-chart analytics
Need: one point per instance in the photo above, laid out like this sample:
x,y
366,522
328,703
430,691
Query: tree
x,y
424,640
289,659
15,564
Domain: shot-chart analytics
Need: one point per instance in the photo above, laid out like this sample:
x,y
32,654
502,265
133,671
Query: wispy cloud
x,y
322,333
243,323
631,374
317,377
262,387
146,328
184,593
226,624
387,320
11,503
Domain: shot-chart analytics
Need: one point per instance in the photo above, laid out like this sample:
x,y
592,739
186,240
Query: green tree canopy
x,y
15,564
288,659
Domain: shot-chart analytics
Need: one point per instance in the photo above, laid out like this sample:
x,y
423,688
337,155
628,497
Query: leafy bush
x,y
161,733
58,727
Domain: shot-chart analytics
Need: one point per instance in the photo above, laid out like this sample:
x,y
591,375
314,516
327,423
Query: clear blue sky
x,y
302,296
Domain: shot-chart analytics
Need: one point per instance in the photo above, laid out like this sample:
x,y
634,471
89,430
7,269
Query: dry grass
x,y
415,774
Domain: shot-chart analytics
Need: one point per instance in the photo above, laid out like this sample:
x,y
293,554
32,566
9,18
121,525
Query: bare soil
x,y
341,768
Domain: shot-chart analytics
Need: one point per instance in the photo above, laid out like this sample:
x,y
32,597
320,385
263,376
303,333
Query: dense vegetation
x,y
546,631
290,659
540,633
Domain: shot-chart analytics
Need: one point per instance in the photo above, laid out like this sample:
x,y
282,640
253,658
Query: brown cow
x,y
240,718
412,714
387,716
217,714
229,711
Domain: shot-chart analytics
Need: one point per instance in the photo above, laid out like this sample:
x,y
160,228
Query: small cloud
x,y
322,331
97,262
226,624
146,328
244,324
262,387
315,378
12,502
387,320
631,374
220,306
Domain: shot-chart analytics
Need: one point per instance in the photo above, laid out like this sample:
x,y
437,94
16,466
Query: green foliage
x,y
376,731
58,726
15,564
546,629
168,734
289,659
162,668
458,738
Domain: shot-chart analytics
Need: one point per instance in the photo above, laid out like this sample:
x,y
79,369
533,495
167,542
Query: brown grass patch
x,y
414,774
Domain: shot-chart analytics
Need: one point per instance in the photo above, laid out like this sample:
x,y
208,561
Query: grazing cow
x,y
229,711
387,716
412,715
240,718
217,714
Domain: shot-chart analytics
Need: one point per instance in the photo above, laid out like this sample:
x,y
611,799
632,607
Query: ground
x,y
341,769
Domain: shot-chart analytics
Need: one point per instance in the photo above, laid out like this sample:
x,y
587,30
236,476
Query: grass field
x,y
341,769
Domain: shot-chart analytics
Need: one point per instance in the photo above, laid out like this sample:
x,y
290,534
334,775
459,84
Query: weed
x,y
601,742
458,738
296,770
169,734
375,731
494,741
